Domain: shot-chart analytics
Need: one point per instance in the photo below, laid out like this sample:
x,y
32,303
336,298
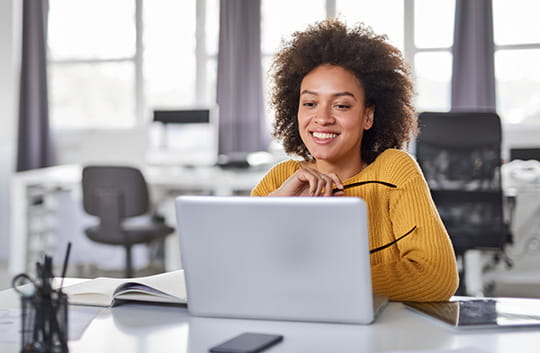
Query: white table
x,y
162,179
158,329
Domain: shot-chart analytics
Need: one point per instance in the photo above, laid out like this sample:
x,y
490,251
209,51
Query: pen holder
x,y
44,321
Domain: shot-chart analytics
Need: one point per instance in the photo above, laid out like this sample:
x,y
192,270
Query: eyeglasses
x,y
348,186
377,249
390,185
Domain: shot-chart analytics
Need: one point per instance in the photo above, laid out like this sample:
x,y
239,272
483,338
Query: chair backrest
x,y
114,192
460,155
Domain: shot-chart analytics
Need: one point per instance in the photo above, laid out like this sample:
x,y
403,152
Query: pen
x,y
64,267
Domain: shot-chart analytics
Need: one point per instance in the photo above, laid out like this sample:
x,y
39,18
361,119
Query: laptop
x,y
279,258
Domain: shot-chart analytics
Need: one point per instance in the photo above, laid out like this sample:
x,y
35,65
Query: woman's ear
x,y
369,116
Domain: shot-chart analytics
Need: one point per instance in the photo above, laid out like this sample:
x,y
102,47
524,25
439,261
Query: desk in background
x,y
167,181
32,187
144,328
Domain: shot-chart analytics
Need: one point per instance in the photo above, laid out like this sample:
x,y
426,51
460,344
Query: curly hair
x,y
379,67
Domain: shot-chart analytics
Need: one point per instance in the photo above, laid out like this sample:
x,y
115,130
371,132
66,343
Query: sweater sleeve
x,y
274,178
425,268
264,187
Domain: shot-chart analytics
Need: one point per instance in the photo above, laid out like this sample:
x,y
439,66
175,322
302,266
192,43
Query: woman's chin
x,y
324,157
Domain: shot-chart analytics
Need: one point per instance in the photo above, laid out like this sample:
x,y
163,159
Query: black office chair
x,y
460,155
113,194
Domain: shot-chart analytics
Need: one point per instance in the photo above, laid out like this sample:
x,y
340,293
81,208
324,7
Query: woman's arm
x,y
424,266
285,180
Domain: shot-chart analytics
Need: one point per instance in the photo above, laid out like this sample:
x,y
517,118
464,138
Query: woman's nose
x,y
324,117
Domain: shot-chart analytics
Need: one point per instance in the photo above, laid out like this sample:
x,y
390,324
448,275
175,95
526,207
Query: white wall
x,y
101,146
9,39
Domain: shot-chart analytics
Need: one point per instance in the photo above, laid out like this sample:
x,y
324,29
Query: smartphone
x,y
247,342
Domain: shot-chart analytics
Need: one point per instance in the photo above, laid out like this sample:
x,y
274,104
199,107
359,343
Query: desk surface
x,y
155,329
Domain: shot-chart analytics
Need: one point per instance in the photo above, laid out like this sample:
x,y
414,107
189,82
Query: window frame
x,y
410,49
521,126
522,134
142,117
203,58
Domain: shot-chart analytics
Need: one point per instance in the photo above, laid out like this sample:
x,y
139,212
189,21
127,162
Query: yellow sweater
x,y
419,267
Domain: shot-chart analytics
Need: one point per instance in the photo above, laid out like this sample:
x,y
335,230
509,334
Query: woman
x,y
343,102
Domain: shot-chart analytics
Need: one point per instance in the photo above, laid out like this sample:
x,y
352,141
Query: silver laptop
x,y
279,258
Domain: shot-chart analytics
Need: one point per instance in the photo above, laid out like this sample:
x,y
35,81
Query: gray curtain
x,y
473,79
34,143
239,78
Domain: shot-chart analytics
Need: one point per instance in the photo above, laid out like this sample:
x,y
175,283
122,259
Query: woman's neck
x,y
343,171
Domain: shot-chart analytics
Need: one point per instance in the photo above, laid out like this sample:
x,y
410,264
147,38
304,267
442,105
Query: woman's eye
x,y
309,104
343,106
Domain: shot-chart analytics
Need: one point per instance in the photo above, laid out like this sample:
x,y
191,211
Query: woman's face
x,y
332,115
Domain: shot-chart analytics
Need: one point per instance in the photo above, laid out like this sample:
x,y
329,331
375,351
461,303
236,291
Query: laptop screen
x,y
277,258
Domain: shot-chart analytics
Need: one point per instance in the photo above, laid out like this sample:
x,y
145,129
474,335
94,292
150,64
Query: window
x,y
430,52
109,68
377,15
422,29
92,72
112,62
517,53
280,18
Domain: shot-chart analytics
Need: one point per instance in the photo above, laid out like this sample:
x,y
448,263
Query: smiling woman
x,y
343,102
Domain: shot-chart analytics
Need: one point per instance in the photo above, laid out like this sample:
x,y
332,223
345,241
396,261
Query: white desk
x,y
164,180
158,329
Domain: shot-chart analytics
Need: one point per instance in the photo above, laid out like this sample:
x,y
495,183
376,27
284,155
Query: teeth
x,y
321,135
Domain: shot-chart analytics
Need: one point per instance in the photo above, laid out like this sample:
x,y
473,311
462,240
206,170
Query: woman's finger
x,y
328,181
336,180
321,184
309,182
315,181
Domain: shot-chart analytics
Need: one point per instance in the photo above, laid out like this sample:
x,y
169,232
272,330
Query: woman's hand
x,y
309,182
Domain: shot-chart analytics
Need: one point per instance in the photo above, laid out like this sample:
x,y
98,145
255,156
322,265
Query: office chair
x,y
113,194
460,155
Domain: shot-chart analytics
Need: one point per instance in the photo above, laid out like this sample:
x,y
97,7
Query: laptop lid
x,y
278,258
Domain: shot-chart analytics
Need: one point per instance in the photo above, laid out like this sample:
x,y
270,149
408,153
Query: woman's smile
x,y
324,137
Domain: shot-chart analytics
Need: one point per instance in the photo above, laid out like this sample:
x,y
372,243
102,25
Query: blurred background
x,y
108,66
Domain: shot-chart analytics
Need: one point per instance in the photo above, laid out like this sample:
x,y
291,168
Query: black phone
x,y
247,342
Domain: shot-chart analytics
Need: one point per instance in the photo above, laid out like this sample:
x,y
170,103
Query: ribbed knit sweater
x,y
419,267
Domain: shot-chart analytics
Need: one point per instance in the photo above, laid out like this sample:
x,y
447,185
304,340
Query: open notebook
x,y
165,287
278,258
